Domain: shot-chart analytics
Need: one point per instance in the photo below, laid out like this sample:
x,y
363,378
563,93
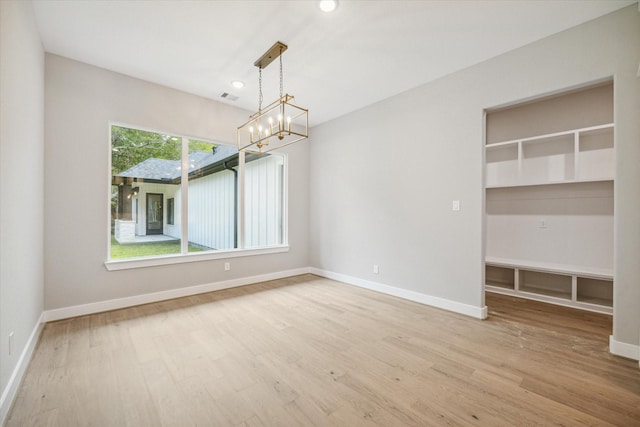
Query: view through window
x,y
155,205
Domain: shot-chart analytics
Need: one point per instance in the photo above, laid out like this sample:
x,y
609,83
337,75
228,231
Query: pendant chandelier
x,y
280,123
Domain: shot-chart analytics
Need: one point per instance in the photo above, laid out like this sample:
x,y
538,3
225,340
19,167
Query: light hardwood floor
x,y
307,351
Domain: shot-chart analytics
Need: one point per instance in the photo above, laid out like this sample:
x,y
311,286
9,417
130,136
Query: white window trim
x,y
128,263
185,256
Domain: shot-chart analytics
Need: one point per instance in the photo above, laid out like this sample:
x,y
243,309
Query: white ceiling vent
x,y
228,96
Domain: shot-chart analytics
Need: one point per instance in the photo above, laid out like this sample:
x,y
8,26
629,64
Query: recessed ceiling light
x,y
237,84
328,5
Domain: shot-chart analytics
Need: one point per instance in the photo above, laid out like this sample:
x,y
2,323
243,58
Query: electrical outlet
x,y
227,266
376,270
10,343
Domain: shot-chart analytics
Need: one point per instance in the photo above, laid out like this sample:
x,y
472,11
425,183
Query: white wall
x,y
80,101
573,110
21,184
382,179
175,229
578,229
211,210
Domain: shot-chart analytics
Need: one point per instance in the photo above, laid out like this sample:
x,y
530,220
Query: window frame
x,y
171,207
185,256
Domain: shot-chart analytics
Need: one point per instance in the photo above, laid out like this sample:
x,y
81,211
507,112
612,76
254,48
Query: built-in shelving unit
x,y
578,155
549,178
572,286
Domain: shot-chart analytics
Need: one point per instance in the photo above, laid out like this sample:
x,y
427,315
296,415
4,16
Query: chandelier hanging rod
x,y
269,56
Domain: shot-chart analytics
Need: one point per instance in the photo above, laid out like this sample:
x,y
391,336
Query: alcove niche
x,y
549,179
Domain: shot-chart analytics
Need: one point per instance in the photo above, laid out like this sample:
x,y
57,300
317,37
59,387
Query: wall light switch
x,y
376,270
227,266
542,223
455,206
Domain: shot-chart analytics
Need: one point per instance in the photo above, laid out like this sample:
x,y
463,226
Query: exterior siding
x,y
211,210
211,206
264,202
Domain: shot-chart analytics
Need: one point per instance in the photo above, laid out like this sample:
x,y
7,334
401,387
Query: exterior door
x,y
154,214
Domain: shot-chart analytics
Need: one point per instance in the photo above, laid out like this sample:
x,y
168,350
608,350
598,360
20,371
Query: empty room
x,y
319,213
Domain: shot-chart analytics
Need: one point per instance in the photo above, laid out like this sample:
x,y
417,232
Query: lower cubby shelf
x,y
550,284
595,291
587,289
499,277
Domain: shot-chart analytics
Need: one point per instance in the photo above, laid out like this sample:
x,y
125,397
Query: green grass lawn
x,y
135,250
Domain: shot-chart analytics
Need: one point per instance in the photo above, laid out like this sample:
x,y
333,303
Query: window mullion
x,y
240,219
184,197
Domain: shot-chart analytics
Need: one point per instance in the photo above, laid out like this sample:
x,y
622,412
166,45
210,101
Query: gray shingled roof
x,y
151,168
169,170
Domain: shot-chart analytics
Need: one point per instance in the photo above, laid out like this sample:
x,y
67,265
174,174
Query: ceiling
x,y
338,62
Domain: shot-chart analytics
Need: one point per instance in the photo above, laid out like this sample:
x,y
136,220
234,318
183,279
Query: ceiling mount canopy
x,y
274,52
280,123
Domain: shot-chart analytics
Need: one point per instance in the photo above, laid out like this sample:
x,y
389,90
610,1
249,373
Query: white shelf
x,y
577,270
571,286
594,291
553,135
595,153
498,276
568,181
577,155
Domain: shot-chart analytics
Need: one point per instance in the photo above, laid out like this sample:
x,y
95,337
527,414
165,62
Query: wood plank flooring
x,y
307,351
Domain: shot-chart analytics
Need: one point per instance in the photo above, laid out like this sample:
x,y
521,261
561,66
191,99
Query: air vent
x,y
228,96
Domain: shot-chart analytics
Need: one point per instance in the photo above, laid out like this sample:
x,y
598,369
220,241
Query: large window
x,y
171,195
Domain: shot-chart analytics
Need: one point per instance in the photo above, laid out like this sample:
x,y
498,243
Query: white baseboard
x,y
9,393
114,304
619,348
456,307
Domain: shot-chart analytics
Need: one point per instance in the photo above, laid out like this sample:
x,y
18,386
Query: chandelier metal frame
x,y
280,123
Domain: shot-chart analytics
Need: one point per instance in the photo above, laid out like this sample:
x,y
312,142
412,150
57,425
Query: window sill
x,y
125,264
